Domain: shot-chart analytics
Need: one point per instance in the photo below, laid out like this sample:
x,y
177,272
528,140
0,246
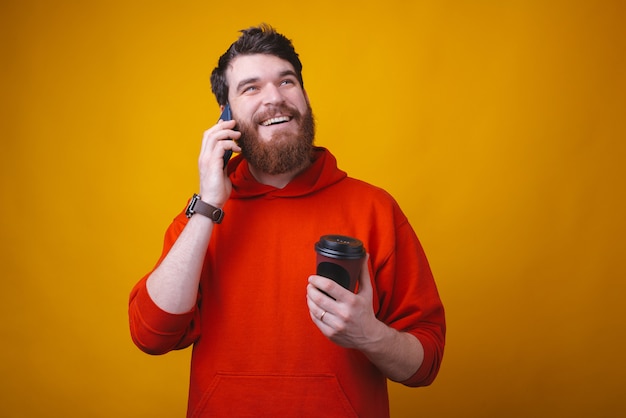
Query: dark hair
x,y
262,39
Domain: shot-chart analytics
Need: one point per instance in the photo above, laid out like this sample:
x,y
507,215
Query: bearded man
x,y
236,277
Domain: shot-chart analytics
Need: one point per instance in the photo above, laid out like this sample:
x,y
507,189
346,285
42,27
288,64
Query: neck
x,y
277,180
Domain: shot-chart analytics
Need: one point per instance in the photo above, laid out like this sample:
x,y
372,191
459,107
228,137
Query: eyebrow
x,y
252,80
247,81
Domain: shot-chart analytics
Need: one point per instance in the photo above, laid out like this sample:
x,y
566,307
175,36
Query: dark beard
x,y
284,152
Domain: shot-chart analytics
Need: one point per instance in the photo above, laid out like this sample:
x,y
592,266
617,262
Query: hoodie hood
x,y
319,175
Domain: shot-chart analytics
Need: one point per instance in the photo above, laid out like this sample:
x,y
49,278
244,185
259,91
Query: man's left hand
x,y
349,319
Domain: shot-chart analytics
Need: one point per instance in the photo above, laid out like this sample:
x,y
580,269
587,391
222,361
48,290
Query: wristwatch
x,y
198,206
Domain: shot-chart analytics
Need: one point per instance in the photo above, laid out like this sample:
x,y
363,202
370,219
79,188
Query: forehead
x,y
256,66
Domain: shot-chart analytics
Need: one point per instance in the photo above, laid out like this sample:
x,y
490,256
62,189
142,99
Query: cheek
x,y
241,109
303,104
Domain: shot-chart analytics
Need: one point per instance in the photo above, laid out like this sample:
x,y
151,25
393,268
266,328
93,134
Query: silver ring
x,y
322,317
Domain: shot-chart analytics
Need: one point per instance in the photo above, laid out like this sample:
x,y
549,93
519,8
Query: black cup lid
x,y
340,246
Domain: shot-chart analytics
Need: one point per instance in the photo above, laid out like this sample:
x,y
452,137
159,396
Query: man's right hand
x,y
215,186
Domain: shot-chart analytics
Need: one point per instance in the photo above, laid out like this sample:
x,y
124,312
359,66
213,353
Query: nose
x,y
272,95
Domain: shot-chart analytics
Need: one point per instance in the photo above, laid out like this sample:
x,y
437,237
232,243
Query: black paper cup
x,y
339,258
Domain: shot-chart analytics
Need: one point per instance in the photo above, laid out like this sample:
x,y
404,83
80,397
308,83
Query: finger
x,y
319,303
220,131
310,303
326,288
215,144
317,312
323,320
225,145
316,300
226,124
205,139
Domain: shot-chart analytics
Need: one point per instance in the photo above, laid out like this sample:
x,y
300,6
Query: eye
x,y
287,81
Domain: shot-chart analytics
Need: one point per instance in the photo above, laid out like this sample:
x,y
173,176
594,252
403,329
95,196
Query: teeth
x,y
272,121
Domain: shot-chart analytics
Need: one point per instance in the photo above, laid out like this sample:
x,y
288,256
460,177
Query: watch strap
x,y
196,205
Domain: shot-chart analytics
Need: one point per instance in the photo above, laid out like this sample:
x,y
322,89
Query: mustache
x,y
277,110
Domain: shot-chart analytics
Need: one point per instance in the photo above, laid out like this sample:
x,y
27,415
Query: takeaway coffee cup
x,y
339,258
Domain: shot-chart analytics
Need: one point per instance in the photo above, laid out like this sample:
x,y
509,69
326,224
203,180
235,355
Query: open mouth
x,y
276,121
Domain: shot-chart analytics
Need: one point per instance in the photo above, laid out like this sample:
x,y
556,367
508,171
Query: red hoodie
x,y
256,351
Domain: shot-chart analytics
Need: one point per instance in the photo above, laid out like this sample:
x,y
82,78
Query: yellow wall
x,y
498,125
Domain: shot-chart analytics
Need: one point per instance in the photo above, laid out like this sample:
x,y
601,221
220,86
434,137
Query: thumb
x,y
365,284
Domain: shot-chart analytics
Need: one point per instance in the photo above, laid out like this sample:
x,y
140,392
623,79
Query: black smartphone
x,y
226,115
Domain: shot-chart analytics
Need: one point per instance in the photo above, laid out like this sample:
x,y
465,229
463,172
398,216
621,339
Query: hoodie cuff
x,y
157,319
429,369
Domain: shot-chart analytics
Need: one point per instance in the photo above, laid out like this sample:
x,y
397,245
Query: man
x,y
235,277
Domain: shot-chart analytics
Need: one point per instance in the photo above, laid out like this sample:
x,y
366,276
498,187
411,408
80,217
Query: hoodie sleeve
x,y
407,298
152,329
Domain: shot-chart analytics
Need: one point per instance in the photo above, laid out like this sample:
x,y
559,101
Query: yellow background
x,y
498,126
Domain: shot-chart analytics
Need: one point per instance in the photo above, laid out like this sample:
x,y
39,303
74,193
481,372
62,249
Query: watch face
x,y
192,204
198,206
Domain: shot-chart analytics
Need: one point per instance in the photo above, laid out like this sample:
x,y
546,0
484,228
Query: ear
x,y
306,97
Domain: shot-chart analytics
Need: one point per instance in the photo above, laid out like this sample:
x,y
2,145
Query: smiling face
x,y
272,112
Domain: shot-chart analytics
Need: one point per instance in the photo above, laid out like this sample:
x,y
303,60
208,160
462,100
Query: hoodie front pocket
x,y
262,395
